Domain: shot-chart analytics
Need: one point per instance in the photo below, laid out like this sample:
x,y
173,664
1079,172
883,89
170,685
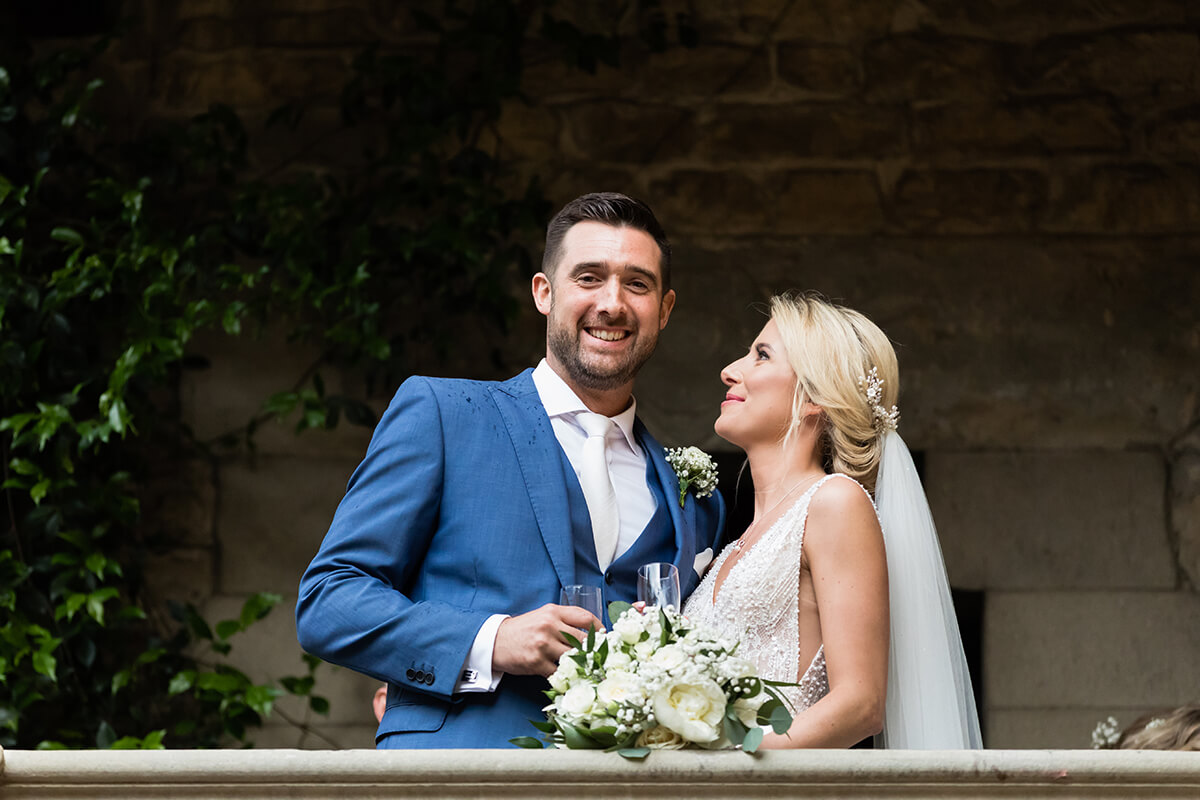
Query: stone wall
x,y
1011,189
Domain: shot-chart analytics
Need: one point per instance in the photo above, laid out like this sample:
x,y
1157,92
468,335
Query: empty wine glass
x,y
658,585
585,597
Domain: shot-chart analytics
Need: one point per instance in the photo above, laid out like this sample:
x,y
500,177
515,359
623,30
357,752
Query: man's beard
x,y
565,344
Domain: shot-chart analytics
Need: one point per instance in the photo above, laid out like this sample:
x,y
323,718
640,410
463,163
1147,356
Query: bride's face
x,y
758,398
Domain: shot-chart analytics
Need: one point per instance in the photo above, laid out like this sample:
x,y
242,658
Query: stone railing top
x,y
351,774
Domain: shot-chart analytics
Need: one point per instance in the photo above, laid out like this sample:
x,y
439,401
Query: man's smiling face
x,y
604,306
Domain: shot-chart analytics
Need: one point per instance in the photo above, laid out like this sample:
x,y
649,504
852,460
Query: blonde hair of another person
x,y
832,349
1178,729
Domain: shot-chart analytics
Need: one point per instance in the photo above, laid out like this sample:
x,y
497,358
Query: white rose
x,y
643,650
660,738
693,709
746,708
630,627
669,657
617,661
578,700
567,671
621,687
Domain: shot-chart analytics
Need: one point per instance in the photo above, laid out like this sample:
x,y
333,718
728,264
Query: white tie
x,y
597,486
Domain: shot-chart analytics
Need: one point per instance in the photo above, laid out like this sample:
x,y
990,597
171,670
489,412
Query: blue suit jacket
x,y
457,512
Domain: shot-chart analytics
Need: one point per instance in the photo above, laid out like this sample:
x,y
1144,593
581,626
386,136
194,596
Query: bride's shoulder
x,y
842,504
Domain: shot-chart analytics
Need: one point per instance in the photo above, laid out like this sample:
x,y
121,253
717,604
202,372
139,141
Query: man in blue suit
x,y
441,571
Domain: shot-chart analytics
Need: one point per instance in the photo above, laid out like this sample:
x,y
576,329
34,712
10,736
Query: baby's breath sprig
x,y
695,469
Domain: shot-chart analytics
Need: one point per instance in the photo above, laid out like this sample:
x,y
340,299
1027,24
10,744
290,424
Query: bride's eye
x,y
761,353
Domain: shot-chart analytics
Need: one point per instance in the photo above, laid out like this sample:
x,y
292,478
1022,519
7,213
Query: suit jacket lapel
x,y
537,451
682,519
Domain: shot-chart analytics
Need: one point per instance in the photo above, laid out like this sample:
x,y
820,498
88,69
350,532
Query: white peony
x,y
621,687
630,627
693,709
578,700
661,738
746,708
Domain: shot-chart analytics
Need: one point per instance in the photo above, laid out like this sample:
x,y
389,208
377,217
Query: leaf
x,y
634,753
45,664
571,640
227,628
575,738
120,680
543,725
781,720
617,608
261,699
753,739
67,236
39,490
105,736
258,606
318,704
182,682
528,742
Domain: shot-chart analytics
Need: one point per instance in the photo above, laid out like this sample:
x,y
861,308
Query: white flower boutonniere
x,y
695,469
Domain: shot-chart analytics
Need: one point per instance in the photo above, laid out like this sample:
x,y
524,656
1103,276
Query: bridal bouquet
x,y
656,681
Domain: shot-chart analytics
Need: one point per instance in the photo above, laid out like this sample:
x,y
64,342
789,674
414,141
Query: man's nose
x,y
611,299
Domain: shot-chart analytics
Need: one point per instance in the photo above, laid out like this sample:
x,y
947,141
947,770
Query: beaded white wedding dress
x,y
759,604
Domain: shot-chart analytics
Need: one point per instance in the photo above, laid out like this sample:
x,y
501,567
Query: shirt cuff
x,y
476,675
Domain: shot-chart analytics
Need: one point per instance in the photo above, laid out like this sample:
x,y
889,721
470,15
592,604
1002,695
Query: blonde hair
x,y
832,350
1166,730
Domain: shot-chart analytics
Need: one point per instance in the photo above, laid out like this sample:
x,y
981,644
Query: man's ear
x,y
664,310
542,295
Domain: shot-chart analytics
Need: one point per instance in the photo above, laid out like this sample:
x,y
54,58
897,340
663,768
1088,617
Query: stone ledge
x,y
576,774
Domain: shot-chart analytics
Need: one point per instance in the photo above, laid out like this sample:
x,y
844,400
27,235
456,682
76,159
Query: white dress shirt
x,y
635,501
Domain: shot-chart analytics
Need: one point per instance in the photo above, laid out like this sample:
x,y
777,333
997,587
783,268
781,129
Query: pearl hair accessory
x,y
872,386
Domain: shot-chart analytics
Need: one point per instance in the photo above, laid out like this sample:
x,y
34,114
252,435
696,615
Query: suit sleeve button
x,y
412,676
429,679
420,676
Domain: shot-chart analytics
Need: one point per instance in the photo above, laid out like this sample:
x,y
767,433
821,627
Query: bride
x,y
845,596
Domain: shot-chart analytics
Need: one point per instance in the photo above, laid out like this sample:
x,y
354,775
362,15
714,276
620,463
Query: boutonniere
x,y
695,469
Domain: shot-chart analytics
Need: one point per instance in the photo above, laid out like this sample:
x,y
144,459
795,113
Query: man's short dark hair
x,y
609,208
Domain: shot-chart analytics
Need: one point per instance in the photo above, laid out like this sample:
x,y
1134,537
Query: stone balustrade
x,y
450,774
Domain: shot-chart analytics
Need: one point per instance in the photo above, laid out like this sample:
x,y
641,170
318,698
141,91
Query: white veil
x,y
930,705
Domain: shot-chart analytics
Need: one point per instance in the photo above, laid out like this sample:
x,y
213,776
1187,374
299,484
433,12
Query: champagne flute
x,y
585,597
658,585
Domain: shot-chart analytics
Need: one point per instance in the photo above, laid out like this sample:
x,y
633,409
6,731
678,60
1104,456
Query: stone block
x,y
710,70
1064,650
525,132
1050,728
759,133
711,202
178,503
1127,198
628,132
1038,126
821,69
273,514
249,79
269,651
1175,135
828,20
322,737
1031,20
1039,520
827,202
1144,62
969,201
925,68
184,574
242,373
1185,512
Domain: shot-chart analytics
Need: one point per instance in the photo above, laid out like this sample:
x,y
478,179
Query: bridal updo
x,y
832,350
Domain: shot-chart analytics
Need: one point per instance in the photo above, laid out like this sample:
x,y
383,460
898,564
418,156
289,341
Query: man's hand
x,y
532,643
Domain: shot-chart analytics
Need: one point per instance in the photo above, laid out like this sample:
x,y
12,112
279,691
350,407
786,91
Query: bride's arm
x,y
843,545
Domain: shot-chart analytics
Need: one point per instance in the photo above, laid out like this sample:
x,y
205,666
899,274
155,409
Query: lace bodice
x,y
759,604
